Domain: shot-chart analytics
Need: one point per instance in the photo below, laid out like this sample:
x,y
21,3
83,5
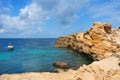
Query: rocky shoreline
x,y
101,42
106,69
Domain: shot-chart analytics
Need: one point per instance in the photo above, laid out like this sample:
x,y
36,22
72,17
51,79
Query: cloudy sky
x,y
54,18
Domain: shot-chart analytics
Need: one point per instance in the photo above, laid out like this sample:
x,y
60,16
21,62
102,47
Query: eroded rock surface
x,y
99,70
99,42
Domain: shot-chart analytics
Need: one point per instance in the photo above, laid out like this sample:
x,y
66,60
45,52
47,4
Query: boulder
x,y
62,65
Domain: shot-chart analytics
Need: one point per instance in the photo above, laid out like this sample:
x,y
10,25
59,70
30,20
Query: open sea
x,y
36,55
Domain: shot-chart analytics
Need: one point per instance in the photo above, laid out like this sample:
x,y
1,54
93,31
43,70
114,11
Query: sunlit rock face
x,y
99,42
106,69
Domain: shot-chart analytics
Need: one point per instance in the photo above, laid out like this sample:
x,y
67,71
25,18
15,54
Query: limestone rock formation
x,y
99,42
100,70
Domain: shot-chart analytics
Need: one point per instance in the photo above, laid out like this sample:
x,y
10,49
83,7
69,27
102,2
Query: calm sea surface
x,y
35,55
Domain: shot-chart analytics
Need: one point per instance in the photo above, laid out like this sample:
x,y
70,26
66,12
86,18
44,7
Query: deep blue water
x,y
35,55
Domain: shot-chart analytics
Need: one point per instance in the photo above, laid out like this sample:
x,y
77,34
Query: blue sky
x,y
54,18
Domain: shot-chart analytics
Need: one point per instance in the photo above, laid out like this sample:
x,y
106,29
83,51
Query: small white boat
x,y
10,47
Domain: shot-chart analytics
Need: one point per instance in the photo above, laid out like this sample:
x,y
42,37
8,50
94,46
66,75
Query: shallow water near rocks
x,y
36,55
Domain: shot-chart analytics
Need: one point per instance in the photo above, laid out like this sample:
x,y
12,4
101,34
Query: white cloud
x,y
65,11
110,11
29,18
32,16
2,30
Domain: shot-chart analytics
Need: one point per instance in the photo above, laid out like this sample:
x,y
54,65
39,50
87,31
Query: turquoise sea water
x,y
36,55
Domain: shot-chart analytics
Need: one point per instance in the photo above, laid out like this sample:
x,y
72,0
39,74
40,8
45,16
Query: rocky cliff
x,y
99,42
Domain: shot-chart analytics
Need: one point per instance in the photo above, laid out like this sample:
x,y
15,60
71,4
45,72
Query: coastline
x,y
106,69
100,42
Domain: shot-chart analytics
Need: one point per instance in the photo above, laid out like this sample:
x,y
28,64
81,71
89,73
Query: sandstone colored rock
x,y
60,70
99,70
100,40
79,36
